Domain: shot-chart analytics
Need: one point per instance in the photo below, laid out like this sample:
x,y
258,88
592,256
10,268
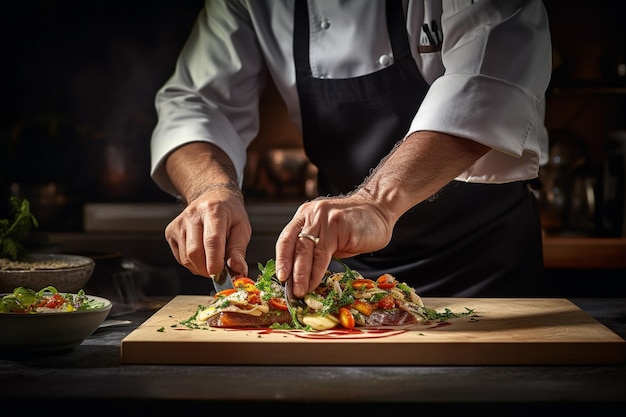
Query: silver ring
x,y
308,236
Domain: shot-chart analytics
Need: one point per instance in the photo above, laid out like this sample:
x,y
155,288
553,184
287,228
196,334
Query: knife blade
x,y
223,280
293,304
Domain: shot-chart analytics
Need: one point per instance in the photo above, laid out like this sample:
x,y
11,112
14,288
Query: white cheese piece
x,y
319,322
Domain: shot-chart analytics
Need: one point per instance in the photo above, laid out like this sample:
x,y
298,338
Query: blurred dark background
x,y
79,82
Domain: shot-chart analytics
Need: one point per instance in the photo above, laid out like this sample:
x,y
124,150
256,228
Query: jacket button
x,y
325,24
385,60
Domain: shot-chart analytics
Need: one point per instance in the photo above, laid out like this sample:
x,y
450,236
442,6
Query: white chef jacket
x,y
487,81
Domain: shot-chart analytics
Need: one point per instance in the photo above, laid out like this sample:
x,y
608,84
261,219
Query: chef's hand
x,y
363,221
345,226
212,228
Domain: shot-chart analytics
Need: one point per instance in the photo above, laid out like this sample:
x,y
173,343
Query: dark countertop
x,y
91,374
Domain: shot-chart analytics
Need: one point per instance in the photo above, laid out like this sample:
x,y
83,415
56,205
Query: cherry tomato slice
x,y
279,304
247,284
242,281
363,284
386,281
55,301
363,307
346,318
387,302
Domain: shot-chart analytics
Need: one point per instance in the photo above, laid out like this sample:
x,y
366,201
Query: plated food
x,y
48,321
47,300
343,299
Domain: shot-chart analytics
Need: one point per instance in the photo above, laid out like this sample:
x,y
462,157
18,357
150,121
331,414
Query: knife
x,y
293,303
222,281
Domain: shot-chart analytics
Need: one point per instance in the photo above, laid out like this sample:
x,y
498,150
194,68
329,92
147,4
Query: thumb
x,y
238,265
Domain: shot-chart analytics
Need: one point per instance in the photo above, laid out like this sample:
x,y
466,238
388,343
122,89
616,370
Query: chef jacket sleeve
x,y
497,59
213,93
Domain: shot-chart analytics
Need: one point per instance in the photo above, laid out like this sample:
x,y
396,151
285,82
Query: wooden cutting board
x,y
504,331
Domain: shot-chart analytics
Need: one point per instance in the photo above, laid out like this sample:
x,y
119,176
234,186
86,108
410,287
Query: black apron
x,y
468,240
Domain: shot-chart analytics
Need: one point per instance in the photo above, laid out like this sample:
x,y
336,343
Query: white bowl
x,y
25,334
69,278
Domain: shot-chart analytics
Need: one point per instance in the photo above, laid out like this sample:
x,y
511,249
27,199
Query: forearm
x,y
417,168
199,167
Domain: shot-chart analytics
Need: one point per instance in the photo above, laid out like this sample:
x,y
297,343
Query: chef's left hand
x,y
346,226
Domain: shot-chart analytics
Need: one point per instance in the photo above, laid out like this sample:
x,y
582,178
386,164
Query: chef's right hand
x,y
212,228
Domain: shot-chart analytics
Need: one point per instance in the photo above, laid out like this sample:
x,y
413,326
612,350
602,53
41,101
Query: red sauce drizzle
x,y
337,333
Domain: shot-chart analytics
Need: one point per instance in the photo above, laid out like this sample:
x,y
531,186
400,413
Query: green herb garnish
x,y
14,231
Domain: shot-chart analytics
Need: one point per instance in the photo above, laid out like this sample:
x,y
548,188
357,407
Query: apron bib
x,y
467,240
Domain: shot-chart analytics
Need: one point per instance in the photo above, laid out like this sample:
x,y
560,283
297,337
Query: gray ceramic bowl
x,y
67,273
26,334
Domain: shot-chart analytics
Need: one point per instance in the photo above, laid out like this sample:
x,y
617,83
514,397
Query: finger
x,y
213,248
236,246
237,268
315,260
324,246
192,253
285,248
310,253
302,266
176,237
322,255
186,238
170,237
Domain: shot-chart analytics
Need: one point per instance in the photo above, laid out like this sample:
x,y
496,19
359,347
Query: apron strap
x,y
301,38
397,33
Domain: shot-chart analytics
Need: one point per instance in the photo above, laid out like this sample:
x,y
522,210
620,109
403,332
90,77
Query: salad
x,y
47,300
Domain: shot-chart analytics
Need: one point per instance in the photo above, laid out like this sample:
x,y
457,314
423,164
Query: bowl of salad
x,y
48,321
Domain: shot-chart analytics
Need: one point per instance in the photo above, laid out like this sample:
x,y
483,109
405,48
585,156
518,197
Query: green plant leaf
x,y
14,231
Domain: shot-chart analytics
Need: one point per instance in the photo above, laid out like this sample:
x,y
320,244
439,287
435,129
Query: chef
x,y
425,120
